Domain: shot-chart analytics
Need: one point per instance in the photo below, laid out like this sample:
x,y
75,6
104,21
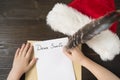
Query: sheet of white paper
x,y
52,63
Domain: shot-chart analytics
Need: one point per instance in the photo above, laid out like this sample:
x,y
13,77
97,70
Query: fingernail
x,y
22,44
18,48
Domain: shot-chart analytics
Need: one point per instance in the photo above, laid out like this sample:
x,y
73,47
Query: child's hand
x,y
22,61
74,54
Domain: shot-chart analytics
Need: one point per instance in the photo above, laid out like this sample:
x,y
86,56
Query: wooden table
x,y
22,20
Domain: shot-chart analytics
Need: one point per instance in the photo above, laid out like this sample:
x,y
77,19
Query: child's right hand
x,y
75,54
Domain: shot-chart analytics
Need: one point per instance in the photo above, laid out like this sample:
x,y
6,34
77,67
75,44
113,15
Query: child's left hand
x,y
22,61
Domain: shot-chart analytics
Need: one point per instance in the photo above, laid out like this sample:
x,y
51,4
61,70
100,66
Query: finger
x,y
67,53
32,63
17,52
29,52
21,49
26,49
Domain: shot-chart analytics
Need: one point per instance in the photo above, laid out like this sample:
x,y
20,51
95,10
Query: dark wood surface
x,y
22,20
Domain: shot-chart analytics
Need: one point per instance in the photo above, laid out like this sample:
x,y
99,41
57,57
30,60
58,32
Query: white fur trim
x,y
65,19
106,44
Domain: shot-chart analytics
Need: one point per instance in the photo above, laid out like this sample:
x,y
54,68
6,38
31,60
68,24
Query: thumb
x,y
67,53
31,64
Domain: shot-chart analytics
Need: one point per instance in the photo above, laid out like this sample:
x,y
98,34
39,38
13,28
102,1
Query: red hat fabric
x,y
95,8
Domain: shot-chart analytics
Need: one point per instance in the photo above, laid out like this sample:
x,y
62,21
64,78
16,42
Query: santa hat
x,y
68,20
95,8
